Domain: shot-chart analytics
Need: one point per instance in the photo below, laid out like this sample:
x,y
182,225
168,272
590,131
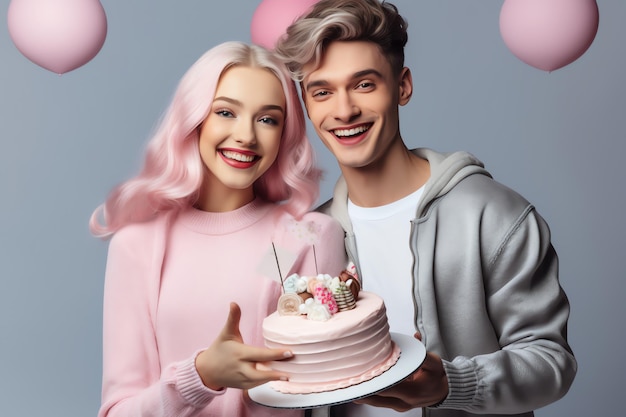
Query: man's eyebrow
x,y
358,74
316,83
239,103
370,71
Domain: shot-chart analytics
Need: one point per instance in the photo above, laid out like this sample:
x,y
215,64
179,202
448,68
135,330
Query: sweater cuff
x,y
190,385
462,383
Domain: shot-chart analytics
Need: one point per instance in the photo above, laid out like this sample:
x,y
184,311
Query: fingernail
x,y
284,378
288,354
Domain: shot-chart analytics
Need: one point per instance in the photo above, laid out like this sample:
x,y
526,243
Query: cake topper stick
x,y
315,259
280,275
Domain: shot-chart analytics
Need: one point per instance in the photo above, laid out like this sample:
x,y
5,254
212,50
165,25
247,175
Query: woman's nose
x,y
245,133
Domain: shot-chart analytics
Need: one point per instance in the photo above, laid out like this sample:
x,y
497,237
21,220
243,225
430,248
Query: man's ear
x,y
405,86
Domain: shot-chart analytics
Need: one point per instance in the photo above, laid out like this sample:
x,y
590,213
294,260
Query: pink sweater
x,y
168,286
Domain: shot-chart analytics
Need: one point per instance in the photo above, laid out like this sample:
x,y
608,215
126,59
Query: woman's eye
x,y
224,113
268,120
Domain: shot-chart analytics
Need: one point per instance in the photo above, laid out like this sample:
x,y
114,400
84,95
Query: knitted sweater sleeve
x,y
135,383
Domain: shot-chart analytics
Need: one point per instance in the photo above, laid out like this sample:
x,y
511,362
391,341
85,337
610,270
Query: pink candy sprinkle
x,y
325,296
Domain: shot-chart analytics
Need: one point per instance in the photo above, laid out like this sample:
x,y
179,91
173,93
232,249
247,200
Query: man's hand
x,y
426,387
228,362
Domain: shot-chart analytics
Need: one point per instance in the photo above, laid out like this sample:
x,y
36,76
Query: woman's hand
x,y
228,362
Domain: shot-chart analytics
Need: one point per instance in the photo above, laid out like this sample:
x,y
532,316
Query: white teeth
x,y
238,156
351,132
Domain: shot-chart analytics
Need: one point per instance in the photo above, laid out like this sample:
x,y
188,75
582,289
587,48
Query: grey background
x,y
557,138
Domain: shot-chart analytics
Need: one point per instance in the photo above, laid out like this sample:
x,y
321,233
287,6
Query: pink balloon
x,y
58,35
272,17
548,34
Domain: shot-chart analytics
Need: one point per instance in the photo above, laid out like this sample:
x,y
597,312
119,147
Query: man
x,y
462,262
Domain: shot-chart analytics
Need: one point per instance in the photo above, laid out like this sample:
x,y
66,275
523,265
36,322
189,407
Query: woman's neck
x,y
217,198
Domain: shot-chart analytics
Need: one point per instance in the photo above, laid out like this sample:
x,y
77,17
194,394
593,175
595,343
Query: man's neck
x,y
397,175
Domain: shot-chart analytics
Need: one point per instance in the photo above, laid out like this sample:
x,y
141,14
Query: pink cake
x,y
335,350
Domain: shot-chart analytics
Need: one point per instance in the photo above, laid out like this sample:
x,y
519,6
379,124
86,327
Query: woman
x,y
215,219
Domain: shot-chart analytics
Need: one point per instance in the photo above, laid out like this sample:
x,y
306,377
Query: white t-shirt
x,y
382,240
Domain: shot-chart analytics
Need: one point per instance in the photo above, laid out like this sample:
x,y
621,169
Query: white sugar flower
x,y
315,310
334,284
291,284
318,312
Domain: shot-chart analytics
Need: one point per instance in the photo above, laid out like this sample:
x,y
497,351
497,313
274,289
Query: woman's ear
x,y
405,86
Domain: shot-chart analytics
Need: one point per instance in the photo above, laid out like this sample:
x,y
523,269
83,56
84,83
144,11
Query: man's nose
x,y
345,107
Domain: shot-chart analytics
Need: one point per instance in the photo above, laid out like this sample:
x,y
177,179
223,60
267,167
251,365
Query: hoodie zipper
x,y
414,279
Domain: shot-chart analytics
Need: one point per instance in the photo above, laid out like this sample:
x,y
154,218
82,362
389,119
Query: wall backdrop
x,y
65,141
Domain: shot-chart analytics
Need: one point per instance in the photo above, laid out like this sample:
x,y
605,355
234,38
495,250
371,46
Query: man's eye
x,y
365,85
321,93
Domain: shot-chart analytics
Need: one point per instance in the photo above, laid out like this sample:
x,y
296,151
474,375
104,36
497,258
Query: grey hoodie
x,y
486,290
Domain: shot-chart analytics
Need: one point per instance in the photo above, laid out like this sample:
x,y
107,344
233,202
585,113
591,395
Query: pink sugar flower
x,y
325,296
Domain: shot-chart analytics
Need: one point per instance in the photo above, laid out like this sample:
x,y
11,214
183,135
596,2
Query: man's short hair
x,y
343,20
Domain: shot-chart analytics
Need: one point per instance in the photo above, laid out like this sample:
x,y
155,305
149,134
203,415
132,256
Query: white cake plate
x,y
412,355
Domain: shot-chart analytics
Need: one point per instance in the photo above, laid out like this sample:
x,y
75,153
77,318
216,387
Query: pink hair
x,y
173,170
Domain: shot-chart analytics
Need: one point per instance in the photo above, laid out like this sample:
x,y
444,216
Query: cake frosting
x,y
338,340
